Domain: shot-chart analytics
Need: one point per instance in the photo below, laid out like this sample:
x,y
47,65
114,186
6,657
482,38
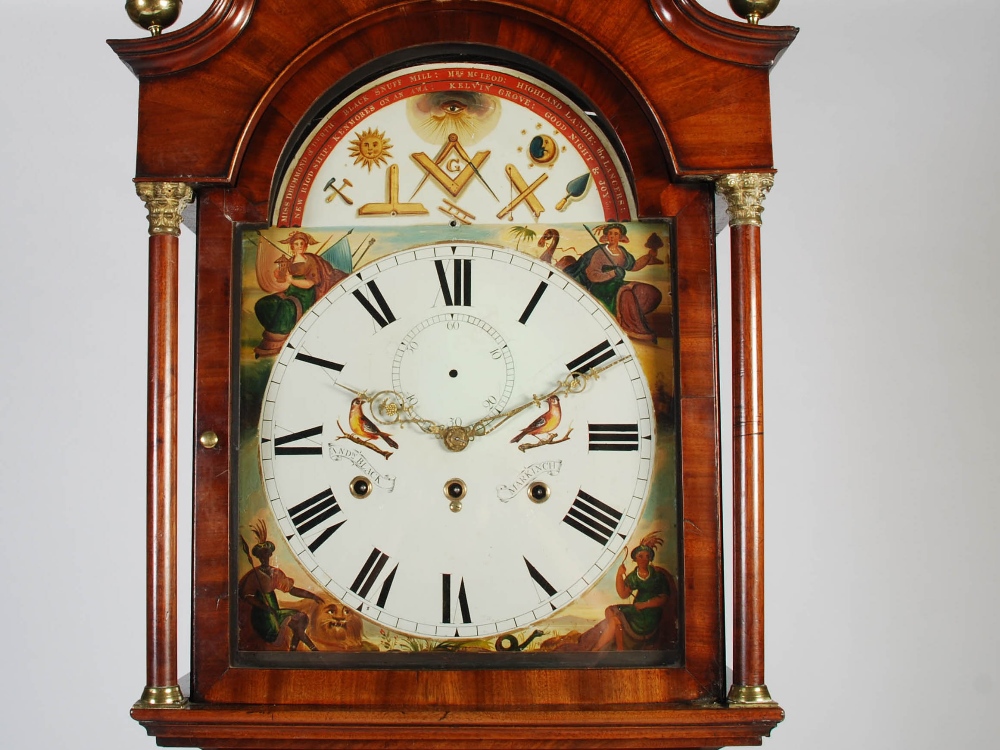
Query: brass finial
x,y
153,15
753,10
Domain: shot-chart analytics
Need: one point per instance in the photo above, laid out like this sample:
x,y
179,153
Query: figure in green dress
x,y
601,271
259,588
650,620
295,280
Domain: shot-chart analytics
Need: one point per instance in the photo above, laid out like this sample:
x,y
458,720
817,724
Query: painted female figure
x,y
296,280
601,270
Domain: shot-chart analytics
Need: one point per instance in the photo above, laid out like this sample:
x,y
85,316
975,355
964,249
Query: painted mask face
x,y
371,147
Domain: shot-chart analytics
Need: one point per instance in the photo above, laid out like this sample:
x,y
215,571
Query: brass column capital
x,y
165,202
744,193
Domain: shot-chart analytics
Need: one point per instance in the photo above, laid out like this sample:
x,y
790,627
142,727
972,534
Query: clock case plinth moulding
x,y
687,95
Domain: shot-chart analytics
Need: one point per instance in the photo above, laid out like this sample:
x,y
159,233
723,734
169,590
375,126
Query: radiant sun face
x,y
370,148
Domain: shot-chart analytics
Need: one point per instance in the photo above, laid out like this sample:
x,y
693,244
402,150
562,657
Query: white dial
x,y
513,523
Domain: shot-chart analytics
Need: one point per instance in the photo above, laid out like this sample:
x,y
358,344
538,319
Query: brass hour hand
x,y
390,408
354,391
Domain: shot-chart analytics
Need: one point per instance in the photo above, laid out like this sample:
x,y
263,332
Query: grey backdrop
x,y
881,357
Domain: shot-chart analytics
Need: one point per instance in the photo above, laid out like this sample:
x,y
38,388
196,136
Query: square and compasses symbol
x,y
454,185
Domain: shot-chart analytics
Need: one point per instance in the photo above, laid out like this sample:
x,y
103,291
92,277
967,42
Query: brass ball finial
x,y
753,10
153,15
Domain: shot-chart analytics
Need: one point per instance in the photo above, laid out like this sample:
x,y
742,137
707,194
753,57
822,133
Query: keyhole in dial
x,y
539,492
453,373
361,487
454,490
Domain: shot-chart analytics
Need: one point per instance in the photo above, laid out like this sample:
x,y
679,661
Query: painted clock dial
x,y
555,438
454,144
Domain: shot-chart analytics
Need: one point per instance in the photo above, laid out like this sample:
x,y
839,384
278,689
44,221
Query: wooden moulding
x,y
192,44
722,38
439,729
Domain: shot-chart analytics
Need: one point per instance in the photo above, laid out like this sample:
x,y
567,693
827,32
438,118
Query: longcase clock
x,y
457,440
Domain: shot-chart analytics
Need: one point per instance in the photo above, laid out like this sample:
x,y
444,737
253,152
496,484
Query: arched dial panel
x,y
457,142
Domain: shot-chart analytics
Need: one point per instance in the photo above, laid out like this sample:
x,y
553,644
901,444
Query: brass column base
x,y
749,695
162,697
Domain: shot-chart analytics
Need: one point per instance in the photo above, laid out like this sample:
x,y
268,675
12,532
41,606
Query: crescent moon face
x,y
543,149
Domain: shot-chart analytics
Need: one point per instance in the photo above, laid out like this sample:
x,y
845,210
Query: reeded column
x,y
165,202
745,195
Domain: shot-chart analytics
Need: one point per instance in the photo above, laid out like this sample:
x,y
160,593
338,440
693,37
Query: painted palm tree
x,y
523,234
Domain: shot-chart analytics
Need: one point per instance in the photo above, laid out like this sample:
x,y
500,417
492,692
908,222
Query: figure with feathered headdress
x,y
641,624
258,589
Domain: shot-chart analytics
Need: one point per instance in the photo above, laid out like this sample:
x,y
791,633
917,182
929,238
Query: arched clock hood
x,y
652,67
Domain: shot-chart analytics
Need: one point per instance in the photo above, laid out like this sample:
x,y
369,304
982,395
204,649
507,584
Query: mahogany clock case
x,y
443,658
682,95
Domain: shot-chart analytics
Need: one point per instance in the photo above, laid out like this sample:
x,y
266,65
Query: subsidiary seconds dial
x,y
459,364
520,522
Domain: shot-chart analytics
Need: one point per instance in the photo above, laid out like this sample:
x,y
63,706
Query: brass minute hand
x,y
575,382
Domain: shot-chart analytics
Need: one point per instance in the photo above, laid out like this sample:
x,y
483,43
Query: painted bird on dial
x,y
363,427
546,423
